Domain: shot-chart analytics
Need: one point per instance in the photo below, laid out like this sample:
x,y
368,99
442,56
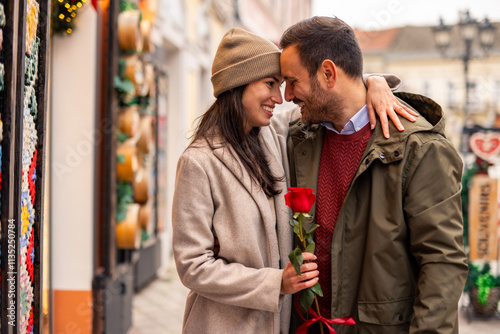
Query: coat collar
x,y
228,157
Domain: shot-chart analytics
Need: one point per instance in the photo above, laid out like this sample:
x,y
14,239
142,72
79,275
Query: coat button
x,y
304,153
396,153
400,317
382,156
367,161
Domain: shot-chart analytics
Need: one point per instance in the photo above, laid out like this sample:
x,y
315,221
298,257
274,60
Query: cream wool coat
x,y
239,291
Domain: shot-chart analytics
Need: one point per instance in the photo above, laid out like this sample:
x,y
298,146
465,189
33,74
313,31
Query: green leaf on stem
x,y
310,248
295,225
317,289
306,298
313,228
296,259
309,239
296,231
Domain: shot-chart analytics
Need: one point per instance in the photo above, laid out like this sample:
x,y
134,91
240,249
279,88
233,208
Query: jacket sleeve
x,y
432,205
193,248
393,81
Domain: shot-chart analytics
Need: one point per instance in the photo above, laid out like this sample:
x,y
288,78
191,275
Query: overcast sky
x,y
383,14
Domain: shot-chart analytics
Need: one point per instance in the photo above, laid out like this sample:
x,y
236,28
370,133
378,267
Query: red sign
x,y
485,145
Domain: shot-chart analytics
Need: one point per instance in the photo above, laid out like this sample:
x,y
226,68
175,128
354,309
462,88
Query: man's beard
x,y
322,105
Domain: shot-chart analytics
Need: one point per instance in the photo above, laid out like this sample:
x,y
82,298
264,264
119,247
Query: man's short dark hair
x,y
321,37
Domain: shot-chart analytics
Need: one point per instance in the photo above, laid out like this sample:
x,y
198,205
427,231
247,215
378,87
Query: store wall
x,y
72,164
185,53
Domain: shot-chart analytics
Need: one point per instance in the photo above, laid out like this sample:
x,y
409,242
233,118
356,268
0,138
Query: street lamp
x,y
442,36
469,29
486,34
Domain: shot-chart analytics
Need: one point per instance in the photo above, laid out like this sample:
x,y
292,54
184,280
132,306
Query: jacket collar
x,y
393,148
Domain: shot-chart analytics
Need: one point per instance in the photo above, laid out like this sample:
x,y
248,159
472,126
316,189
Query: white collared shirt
x,y
356,123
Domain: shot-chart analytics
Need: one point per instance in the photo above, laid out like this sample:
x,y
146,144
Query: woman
x,y
230,188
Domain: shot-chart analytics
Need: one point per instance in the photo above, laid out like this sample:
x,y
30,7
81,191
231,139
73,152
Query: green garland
x,y
128,5
124,197
64,15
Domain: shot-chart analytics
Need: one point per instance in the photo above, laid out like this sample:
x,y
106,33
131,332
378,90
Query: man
x,y
389,246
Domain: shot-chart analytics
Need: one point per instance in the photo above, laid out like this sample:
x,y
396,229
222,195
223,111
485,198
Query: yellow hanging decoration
x,y
64,14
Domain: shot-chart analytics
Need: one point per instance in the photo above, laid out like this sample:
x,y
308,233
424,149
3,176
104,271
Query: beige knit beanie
x,y
243,57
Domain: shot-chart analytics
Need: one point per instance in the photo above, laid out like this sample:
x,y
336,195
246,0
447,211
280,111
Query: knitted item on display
x,y
241,58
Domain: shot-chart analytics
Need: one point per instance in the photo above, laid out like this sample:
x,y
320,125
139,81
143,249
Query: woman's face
x,y
259,99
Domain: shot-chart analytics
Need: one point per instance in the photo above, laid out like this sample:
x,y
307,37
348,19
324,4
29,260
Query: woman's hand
x,y
381,100
293,283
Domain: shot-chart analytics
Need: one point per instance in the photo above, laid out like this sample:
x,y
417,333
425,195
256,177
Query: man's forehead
x,y
289,53
287,64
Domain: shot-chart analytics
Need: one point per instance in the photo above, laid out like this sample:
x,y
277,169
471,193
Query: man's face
x,y
314,101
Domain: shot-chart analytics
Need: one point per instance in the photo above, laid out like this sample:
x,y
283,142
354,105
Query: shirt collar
x,y
356,123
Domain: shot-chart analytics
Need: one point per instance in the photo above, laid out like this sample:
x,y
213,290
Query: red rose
x,y
300,199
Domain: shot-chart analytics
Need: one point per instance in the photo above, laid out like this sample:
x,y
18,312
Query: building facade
x,y
410,53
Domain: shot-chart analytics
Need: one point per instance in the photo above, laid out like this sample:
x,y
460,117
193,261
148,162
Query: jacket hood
x,y
427,107
430,120
394,148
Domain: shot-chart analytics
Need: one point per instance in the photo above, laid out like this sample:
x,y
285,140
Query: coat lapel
x,y
284,233
224,154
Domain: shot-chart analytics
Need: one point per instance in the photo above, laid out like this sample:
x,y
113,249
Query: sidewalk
x,y
158,309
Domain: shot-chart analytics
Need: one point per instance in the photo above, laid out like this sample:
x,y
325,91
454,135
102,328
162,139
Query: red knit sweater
x,y
340,157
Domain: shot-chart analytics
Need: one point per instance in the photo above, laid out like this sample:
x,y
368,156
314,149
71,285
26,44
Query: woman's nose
x,y
278,97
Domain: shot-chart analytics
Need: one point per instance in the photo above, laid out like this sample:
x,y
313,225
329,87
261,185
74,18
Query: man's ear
x,y
328,73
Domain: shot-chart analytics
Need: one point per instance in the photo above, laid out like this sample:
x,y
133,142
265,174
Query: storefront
x,y
24,66
127,247
82,159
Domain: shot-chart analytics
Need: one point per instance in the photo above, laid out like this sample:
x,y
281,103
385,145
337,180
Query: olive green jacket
x,y
398,261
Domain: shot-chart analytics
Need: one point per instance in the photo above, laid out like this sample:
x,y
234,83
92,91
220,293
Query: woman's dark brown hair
x,y
227,118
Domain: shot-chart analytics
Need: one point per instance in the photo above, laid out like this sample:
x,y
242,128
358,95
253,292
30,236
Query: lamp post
x,y
469,29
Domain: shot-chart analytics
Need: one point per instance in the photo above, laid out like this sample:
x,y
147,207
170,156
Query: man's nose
x,y
288,93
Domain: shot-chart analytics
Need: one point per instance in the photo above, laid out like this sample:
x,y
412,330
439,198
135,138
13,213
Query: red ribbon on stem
x,y
315,317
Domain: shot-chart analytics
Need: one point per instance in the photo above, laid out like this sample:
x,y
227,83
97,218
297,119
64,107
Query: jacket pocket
x,y
386,313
